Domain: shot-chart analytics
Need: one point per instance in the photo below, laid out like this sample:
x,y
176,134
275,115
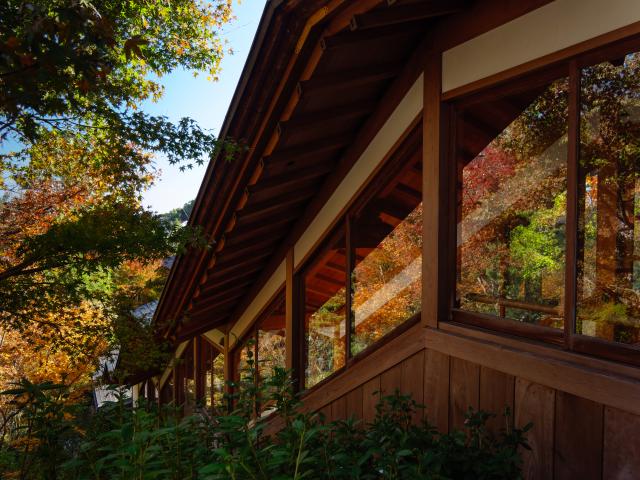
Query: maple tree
x,y
78,252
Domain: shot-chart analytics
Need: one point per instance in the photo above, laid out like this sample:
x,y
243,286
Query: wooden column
x,y
228,367
176,396
197,369
292,325
431,212
289,266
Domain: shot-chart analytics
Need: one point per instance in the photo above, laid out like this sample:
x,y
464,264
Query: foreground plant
x,y
146,442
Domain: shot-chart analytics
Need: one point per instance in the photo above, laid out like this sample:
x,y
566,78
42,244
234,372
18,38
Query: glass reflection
x,y
608,242
512,157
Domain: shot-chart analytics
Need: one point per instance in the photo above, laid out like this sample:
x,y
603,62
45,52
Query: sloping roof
x,y
308,98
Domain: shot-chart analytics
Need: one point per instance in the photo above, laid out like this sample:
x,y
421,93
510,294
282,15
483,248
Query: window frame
x,y
568,338
391,167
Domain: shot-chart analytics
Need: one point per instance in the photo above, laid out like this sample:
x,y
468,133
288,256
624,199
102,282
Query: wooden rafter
x,y
403,13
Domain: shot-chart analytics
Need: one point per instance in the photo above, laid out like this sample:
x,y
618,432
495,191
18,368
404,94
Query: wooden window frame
x,y
392,167
567,338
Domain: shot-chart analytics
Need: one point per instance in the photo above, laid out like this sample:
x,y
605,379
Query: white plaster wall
x,y
259,302
543,31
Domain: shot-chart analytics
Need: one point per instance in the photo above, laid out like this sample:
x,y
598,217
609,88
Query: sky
x,y
204,101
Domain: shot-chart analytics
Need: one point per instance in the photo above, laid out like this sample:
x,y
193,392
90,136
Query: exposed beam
x,y
261,242
285,181
406,13
204,309
318,118
353,78
279,205
237,265
345,39
254,233
308,150
285,198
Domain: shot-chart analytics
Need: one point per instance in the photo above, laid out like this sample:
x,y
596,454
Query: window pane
x,y
512,157
271,341
608,268
387,239
218,381
324,290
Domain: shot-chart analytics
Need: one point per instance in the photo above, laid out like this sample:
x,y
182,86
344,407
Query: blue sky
x,y
204,101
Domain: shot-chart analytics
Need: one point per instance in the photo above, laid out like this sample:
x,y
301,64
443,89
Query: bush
x,y
119,442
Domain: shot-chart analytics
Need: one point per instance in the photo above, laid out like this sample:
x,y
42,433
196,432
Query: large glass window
x,y
608,288
366,281
325,313
265,345
511,210
271,336
524,233
212,377
387,242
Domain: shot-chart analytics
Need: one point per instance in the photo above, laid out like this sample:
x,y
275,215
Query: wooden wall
x,y
571,438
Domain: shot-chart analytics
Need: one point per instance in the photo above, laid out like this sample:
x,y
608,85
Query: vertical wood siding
x,y
571,437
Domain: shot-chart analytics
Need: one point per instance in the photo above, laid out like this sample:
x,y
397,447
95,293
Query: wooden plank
x,y
412,381
497,390
370,398
339,409
327,412
431,220
354,403
578,438
436,389
621,445
554,370
391,380
535,403
464,390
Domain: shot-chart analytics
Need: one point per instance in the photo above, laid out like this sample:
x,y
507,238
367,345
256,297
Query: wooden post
x,y
431,212
292,325
176,396
196,368
228,367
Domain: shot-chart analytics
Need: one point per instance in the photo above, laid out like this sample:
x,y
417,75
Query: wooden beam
x,y
238,265
348,38
285,181
245,279
261,211
311,149
284,199
406,13
314,119
431,223
353,78
208,309
290,300
255,233
228,369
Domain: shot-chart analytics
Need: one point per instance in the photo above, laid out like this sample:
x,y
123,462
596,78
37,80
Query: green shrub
x,y
119,442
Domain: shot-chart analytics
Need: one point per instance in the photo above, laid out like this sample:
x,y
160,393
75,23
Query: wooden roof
x,y
320,79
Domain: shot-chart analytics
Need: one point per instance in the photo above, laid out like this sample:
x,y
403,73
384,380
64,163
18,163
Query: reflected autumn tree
x,y
511,230
608,268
